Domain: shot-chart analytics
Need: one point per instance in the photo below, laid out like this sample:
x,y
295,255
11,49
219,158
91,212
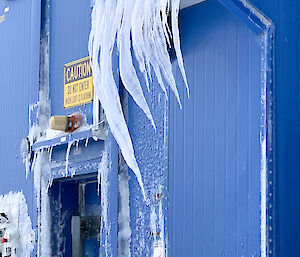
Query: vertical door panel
x,y
214,141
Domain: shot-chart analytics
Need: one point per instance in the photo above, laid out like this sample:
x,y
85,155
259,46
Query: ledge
x,y
65,138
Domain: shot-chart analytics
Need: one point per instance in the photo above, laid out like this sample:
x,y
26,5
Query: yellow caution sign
x,y
78,83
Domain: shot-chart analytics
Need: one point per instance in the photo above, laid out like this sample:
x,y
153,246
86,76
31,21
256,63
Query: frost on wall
x,y
16,233
140,25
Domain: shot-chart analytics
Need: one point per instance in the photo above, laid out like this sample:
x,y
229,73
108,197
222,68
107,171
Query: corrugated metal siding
x,y
19,78
214,141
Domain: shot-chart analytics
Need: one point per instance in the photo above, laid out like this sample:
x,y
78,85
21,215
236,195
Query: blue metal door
x,y
75,211
91,208
215,151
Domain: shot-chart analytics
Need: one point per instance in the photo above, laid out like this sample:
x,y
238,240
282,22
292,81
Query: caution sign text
x,y
78,83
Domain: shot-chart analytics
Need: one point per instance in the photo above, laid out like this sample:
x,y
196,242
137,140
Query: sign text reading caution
x,y
78,83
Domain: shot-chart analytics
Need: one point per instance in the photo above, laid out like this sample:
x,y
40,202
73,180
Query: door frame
x,y
263,27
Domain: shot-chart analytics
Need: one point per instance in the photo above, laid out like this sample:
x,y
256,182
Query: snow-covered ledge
x,y
187,3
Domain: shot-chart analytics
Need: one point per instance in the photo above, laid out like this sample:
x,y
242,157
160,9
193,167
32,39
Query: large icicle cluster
x,y
140,25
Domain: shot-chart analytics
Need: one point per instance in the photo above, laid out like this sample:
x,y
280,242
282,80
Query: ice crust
x,y
139,27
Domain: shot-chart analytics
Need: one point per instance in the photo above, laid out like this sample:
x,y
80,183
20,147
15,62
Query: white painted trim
x,y
263,206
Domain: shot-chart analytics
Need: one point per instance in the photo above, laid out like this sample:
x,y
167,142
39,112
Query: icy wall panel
x,y
147,222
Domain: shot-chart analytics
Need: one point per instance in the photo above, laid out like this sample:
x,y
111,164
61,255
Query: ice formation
x,y
104,182
59,218
124,232
15,226
42,182
139,27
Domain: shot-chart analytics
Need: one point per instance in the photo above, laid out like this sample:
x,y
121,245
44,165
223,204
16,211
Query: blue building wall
x,y
19,81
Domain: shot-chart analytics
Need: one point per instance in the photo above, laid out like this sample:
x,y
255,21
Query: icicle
x,y
50,153
141,25
42,180
104,183
176,40
137,38
101,167
127,70
67,157
34,160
